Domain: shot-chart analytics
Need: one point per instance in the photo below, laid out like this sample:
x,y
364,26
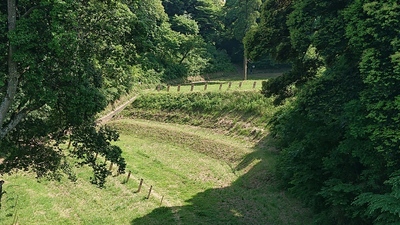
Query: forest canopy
x,y
340,135
63,61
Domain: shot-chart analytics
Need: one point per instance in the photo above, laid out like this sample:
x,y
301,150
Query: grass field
x,y
213,86
197,176
201,178
231,81
208,178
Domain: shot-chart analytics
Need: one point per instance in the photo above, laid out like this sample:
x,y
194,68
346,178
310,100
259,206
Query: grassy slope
x,y
203,177
244,113
214,180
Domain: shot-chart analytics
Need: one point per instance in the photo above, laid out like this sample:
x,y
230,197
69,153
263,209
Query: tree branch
x,y
27,13
13,75
184,56
13,123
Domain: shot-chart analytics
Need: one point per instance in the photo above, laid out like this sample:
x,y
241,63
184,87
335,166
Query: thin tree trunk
x,y
184,56
244,34
13,75
245,66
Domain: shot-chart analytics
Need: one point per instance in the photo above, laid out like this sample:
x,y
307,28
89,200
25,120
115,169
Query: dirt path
x,y
117,110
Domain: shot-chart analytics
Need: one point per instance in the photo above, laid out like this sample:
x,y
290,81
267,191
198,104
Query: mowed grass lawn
x,y
221,82
247,85
197,177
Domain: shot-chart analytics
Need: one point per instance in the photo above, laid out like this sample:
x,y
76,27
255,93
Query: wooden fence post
x,y
111,166
179,87
69,142
140,186
151,187
205,86
230,84
129,175
1,190
240,84
254,84
162,198
220,86
168,87
191,87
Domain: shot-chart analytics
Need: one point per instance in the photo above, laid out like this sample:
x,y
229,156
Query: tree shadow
x,y
254,198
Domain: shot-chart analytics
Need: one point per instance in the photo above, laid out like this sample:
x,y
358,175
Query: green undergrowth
x,y
244,113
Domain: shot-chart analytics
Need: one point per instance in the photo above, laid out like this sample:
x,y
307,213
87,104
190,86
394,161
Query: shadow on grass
x,y
253,198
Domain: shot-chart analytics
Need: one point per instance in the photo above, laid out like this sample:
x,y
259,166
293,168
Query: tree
x,y
184,25
63,59
207,14
339,136
275,36
181,54
173,46
241,15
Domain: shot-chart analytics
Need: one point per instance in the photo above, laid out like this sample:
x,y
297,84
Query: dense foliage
x,y
340,136
63,61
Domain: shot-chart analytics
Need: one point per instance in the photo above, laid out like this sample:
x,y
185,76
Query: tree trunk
x,y
245,66
13,75
244,34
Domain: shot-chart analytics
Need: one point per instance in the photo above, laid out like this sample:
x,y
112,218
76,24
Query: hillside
x,y
212,179
243,113
207,160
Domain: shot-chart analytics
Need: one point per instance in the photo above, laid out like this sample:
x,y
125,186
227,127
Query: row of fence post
x,y
205,86
140,187
110,169
127,179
